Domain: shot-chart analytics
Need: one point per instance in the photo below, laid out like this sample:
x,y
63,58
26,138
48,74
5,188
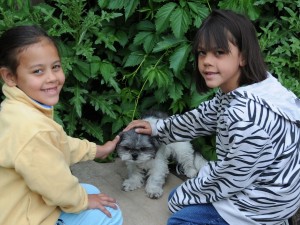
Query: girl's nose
x,y
207,59
51,76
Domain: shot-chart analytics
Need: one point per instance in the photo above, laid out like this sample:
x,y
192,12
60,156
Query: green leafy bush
x,y
123,57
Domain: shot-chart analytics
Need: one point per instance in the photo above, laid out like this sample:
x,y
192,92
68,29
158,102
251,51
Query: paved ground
x,y
136,207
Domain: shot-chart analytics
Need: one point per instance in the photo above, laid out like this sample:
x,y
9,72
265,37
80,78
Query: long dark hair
x,y
15,40
222,26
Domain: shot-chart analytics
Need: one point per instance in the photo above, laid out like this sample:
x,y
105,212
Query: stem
x,y
137,69
144,84
137,99
208,5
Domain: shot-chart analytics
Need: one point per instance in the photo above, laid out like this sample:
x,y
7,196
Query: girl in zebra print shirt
x,y
256,178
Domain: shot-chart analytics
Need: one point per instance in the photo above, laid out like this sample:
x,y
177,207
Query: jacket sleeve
x,y
201,121
44,167
80,150
246,153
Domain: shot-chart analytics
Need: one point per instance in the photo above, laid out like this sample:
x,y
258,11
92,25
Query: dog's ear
x,y
155,142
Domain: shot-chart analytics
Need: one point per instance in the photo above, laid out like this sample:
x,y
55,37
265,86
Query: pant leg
x,y
91,216
201,214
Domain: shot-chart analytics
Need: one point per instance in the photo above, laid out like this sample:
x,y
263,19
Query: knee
x,y
172,220
171,194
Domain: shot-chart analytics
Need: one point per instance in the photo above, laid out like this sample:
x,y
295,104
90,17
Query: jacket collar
x,y
273,95
16,94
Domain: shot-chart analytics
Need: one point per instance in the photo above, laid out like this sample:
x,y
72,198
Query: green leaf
x,y
103,3
162,16
108,72
99,102
145,25
77,100
178,106
71,120
206,146
160,96
130,7
108,38
168,42
116,4
134,59
179,58
94,68
139,38
81,70
246,7
118,125
156,75
180,22
176,91
147,39
198,11
109,16
196,98
93,129
122,37
198,8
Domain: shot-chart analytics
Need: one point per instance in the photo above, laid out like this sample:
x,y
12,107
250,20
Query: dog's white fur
x,y
157,168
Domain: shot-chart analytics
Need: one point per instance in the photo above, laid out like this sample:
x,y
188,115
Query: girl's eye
x,y
201,53
220,52
38,71
57,67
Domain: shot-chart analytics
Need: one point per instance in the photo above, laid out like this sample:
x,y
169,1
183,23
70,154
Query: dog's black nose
x,y
134,156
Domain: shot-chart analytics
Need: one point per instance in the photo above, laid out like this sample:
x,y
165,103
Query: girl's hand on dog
x,y
100,201
142,127
104,150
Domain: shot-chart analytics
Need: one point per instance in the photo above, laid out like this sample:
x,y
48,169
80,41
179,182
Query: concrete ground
x,y
137,208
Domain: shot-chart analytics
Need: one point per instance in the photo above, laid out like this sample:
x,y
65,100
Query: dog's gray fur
x,y
146,157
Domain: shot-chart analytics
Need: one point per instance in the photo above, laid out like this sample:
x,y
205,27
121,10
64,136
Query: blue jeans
x,y
202,214
91,216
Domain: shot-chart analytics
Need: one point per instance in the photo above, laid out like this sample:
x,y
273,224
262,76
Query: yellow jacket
x,y
35,154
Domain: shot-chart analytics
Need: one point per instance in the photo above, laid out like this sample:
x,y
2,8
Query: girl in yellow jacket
x,y
36,184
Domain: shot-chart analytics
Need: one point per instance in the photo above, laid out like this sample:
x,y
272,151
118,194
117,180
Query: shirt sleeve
x,y
201,121
81,150
44,167
243,158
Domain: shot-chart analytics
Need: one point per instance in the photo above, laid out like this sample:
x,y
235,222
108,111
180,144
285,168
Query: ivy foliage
x,y
123,57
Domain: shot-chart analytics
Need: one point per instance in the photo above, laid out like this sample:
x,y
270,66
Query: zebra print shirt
x,y
256,179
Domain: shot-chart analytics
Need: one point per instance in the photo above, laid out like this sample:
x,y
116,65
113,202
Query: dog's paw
x,y
191,172
188,171
130,185
154,192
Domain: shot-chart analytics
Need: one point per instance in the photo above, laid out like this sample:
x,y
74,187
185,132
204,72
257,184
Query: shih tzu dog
x,y
147,159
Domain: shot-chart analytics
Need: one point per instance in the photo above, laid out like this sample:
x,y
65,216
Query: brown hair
x,y
222,26
15,40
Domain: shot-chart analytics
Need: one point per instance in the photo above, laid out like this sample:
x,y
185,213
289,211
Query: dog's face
x,y
136,147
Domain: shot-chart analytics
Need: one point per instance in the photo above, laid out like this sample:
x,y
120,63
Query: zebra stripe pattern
x,y
258,166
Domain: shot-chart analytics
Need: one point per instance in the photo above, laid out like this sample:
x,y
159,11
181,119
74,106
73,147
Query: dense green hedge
x,y
122,57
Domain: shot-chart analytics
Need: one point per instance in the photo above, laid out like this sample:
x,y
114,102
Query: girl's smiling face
x,y
39,74
220,68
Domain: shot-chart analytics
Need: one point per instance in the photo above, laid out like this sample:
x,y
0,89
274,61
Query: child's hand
x,y
142,127
100,201
104,150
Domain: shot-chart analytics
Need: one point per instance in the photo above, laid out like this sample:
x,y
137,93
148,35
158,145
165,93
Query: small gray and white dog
x,y
147,159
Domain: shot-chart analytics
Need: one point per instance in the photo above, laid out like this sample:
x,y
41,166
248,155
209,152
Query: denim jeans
x,y
91,216
201,214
